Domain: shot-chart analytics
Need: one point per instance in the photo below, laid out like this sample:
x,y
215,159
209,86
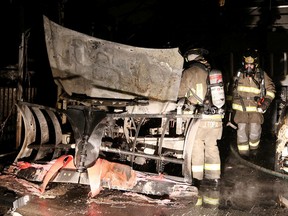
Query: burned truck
x,y
281,131
117,112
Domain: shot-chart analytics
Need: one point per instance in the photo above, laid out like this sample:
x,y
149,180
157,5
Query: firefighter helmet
x,y
192,54
250,62
250,56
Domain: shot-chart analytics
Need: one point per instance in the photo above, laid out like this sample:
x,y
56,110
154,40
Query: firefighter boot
x,y
196,182
253,155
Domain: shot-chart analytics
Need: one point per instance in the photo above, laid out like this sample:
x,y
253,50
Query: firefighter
x,y
253,91
199,91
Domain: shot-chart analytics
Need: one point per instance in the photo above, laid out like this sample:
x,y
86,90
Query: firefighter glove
x,y
260,110
263,105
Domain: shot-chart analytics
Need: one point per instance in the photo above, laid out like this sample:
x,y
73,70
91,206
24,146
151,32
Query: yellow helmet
x,y
250,56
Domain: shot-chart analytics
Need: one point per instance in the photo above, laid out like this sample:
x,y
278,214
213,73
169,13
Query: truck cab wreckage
x,y
118,124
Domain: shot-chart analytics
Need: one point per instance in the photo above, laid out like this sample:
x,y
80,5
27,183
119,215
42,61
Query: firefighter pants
x,y
248,137
205,152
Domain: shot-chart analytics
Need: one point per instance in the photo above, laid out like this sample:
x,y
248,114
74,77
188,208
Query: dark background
x,y
146,23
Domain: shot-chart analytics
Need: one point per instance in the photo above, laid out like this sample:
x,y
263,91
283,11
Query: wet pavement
x,y
248,187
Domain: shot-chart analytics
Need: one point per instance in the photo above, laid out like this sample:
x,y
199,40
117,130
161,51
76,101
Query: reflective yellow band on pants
x,y
199,201
243,147
210,201
212,167
240,108
255,144
197,168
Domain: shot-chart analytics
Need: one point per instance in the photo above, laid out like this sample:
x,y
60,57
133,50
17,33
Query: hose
x,y
265,170
8,154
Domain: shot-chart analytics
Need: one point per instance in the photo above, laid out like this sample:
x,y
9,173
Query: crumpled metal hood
x,y
98,68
